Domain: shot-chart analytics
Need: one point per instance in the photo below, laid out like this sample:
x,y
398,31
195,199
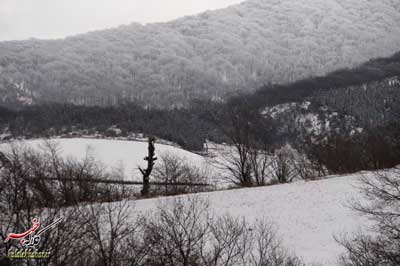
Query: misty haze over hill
x,y
216,53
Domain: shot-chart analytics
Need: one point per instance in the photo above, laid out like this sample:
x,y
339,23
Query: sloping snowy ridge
x,y
307,214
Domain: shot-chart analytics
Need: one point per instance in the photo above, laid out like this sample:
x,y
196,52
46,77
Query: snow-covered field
x,y
308,214
128,155
117,153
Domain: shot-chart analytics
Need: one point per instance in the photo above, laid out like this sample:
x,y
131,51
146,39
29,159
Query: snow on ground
x,y
308,214
114,153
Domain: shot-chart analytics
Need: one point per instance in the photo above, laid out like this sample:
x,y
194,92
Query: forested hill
x,y
206,56
372,72
365,97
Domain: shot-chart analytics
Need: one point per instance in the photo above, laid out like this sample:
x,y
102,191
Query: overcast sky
x,y
44,19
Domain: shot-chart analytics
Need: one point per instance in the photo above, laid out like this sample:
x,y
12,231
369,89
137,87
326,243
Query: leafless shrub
x,y
174,171
109,232
53,180
186,234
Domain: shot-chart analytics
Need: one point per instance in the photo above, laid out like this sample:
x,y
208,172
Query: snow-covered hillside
x,y
307,214
117,153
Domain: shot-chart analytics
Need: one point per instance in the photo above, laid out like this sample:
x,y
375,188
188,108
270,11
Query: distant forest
x,y
204,57
370,94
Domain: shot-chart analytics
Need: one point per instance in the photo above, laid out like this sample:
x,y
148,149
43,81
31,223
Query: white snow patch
x,y
311,122
279,109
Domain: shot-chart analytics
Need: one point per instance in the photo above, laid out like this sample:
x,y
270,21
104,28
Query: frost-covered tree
x,y
207,56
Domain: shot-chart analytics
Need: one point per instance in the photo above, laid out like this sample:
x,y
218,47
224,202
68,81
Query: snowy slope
x,y
308,214
114,153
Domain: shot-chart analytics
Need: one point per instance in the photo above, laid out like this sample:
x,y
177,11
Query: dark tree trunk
x,y
150,164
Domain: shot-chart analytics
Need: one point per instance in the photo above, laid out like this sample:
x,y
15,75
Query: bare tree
x,y
382,247
179,176
174,233
150,158
267,249
236,163
186,233
247,130
21,202
261,163
229,242
283,165
109,229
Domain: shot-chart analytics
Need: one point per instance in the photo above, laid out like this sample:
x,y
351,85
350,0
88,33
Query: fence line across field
x,y
122,182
